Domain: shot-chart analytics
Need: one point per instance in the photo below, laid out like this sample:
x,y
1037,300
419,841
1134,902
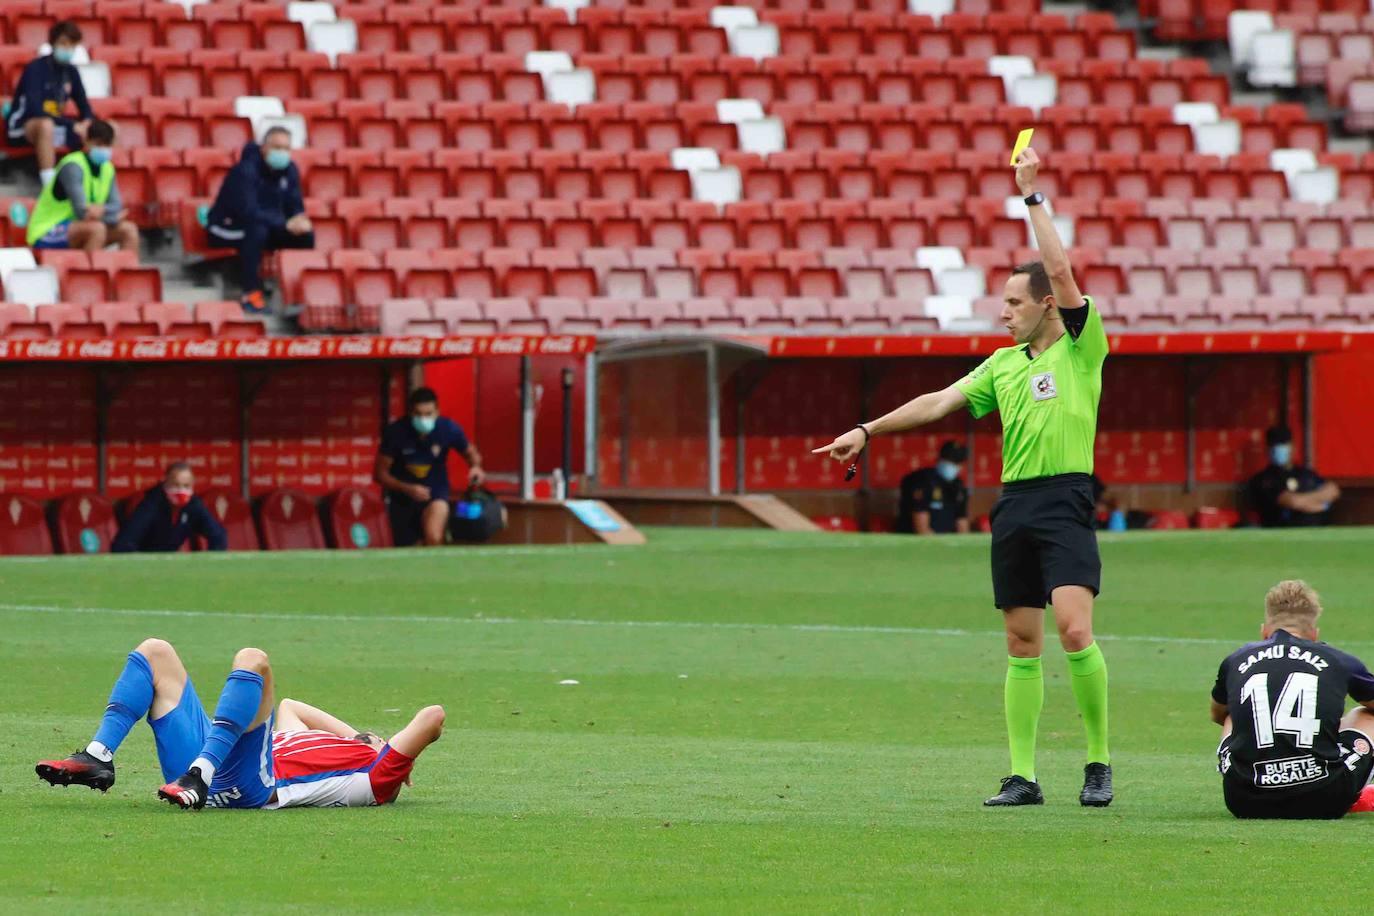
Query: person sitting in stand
x,y
168,514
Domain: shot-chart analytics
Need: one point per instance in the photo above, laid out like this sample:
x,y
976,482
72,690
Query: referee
x,y
1044,549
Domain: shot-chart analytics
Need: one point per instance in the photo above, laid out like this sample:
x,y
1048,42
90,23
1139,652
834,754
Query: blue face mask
x,y
63,55
99,155
947,470
1281,454
424,425
277,159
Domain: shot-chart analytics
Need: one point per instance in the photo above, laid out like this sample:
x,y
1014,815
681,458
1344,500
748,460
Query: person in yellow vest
x,y
80,208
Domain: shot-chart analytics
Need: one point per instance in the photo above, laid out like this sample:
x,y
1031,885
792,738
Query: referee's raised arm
x,y
1052,253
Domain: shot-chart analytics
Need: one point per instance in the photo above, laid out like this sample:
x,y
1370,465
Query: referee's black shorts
x,y
1042,538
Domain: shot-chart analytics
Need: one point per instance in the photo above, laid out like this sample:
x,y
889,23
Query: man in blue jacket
x,y
260,208
170,513
38,115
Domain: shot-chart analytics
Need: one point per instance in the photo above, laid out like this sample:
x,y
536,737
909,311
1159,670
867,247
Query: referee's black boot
x,y
1016,790
1097,786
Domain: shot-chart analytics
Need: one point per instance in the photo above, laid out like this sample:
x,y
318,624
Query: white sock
x,y
207,769
46,176
100,751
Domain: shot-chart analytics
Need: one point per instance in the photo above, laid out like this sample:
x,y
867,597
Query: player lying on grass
x,y
236,759
1286,751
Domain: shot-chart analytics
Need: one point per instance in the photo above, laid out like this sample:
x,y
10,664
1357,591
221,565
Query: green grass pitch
x,y
764,723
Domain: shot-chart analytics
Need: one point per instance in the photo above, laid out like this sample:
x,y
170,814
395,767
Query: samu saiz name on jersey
x,y
1296,653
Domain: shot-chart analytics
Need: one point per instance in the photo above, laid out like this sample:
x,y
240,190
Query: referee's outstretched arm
x,y
1052,254
919,411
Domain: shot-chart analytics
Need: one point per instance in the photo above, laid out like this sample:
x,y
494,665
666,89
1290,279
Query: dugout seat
x,y
236,515
355,519
23,529
287,521
85,523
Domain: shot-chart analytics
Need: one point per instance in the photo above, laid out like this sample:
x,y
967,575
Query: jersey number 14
x,y
1296,711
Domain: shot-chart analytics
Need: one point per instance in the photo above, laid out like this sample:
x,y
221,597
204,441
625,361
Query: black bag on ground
x,y
477,516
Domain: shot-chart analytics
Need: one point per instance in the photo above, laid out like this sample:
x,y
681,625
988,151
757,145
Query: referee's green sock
x,y
1088,674
1025,694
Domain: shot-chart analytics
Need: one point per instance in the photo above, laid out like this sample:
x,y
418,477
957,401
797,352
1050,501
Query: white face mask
x,y
424,425
1282,453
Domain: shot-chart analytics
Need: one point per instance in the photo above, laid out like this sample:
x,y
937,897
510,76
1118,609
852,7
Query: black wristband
x,y
867,434
1034,199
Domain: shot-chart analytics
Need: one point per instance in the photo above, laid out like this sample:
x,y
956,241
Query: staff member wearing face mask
x,y
168,514
82,209
38,114
412,466
1289,495
259,208
935,500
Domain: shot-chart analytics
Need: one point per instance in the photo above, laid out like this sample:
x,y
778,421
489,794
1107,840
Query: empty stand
x,y
287,520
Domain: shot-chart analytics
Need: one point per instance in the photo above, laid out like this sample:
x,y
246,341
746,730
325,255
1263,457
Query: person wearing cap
x,y
934,500
1286,494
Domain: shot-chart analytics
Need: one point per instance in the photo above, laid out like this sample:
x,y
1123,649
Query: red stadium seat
x,y
357,519
236,515
287,520
85,523
23,528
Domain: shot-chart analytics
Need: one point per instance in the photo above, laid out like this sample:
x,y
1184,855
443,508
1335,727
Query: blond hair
x,y
1292,605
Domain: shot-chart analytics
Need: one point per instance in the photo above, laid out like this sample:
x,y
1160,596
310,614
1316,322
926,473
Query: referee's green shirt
x,y
1048,403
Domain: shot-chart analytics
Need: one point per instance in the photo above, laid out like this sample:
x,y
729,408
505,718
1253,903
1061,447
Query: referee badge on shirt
x,y
1042,386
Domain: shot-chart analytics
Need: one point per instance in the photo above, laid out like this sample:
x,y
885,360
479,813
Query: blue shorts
x,y
56,237
244,781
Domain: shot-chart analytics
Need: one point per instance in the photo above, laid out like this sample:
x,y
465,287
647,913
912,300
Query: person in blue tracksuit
x,y
168,514
259,208
39,116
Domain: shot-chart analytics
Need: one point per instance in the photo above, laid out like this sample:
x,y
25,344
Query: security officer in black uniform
x,y
1288,495
935,500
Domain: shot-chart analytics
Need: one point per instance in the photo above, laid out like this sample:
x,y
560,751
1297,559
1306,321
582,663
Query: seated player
x,y
935,500
235,760
1286,751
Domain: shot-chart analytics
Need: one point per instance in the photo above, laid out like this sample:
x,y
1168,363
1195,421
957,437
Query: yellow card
x,y
1023,140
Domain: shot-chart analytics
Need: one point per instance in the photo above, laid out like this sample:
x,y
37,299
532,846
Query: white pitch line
x,y
580,622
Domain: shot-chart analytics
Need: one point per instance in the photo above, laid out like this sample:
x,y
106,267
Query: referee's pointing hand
x,y
845,447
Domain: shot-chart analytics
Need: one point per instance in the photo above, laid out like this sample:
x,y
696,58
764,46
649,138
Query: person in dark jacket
x,y
39,116
168,514
259,208
1287,494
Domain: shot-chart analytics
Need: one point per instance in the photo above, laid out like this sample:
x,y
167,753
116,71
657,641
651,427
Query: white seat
x,y
14,259
935,258
719,186
733,17
79,57
257,108
333,39
1319,186
762,136
294,124
936,8
95,77
965,282
948,309
572,88
732,111
1241,26
1292,161
1191,113
187,4
1273,59
570,6
1037,91
754,41
546,62
692,158
1014,207
309,12
32,286
1010,67
1219,139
